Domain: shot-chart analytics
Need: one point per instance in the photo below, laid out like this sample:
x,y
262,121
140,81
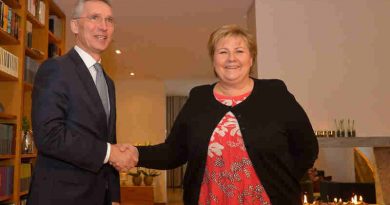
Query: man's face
x,y
94,28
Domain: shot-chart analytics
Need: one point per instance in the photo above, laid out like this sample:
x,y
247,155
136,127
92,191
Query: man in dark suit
x,y
74,119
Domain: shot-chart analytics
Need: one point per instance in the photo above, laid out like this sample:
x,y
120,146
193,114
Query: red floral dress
x,y
229,176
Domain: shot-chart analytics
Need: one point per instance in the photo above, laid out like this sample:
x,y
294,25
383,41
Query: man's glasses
x,y
96,19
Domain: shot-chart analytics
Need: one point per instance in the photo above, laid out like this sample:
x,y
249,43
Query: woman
x,y
246,141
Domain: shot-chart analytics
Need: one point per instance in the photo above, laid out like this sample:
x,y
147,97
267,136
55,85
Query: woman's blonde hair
x,y
236,31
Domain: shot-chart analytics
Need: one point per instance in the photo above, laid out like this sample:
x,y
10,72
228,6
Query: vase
x,y
137,180
148,180
27,143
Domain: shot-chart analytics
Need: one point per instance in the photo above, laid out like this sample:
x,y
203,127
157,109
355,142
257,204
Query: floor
x,y
175,196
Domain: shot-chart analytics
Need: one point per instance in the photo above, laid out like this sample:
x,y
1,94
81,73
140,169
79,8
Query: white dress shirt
x,y
90,62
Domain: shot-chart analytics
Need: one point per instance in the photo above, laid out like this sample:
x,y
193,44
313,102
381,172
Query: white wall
x,y
333,56
141,118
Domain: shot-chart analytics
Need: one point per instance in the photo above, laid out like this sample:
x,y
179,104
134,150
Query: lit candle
x,y
304,199
361,198
335,200
353,199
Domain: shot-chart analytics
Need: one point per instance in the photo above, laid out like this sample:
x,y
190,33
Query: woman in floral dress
x,y
245,140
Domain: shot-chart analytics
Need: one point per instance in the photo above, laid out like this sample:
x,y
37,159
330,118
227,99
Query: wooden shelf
x,y
7,156
334,142
27,86
26,156
7,77
7,39
14,91
5,116
34,20
55,10
5,198
53,38
35,54
13,4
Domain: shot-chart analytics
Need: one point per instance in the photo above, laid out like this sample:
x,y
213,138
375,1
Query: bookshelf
x,y
5,116
28,37
6,39
7,156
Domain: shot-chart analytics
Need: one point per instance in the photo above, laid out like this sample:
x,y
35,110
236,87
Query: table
x,y
137,195
381,147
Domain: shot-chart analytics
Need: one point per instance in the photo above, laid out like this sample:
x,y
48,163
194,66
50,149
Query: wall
x,y
141,118
333,56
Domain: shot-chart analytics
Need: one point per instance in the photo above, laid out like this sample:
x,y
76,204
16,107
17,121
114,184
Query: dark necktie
x,y
101,86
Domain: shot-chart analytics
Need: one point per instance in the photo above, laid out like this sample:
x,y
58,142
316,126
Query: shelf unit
x,y
15,94
7,156
5,116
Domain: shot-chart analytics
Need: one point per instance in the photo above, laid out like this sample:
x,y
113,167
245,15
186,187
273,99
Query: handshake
x,y
123,157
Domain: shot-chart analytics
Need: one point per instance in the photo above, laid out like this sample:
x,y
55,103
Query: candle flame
x,y
305,199
335,199
354,199
340,200
361,198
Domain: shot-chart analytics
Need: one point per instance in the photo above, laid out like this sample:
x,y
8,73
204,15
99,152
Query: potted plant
x,y
149,174
136,177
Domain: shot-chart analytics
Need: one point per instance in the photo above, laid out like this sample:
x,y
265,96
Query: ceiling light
x,y
118,51
132,74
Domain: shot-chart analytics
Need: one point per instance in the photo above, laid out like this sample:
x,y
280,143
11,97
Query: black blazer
x,y
71,134
277,135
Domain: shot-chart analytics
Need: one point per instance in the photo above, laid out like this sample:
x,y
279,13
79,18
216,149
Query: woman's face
x,y
232,59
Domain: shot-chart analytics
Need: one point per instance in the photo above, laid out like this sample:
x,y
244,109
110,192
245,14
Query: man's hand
x,y
123,157
115,203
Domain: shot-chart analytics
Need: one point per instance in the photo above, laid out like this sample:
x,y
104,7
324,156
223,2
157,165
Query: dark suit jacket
x,y
71,134
277,135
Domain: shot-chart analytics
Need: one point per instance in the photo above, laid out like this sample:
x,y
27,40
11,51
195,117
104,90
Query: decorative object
x,y
149,174
27,139
123,178
136,177
353,129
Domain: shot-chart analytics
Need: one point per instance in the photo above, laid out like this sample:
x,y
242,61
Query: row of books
x,y
6,180
8,62
30,69
53,50
55,25
9,20
29,38
25,176
38,9
7,132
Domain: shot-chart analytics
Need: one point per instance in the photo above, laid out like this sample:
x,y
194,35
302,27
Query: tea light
x,y
354,199
305,199
360,198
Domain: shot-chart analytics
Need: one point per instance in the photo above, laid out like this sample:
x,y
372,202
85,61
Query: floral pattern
x,y
229,176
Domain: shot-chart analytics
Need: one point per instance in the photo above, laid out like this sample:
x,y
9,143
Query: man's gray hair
x,y
79,6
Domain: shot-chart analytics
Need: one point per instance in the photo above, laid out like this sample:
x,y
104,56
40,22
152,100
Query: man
x,y
74,119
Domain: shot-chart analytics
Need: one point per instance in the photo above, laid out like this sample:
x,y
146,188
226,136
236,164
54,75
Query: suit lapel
x,y
111,120
87,81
